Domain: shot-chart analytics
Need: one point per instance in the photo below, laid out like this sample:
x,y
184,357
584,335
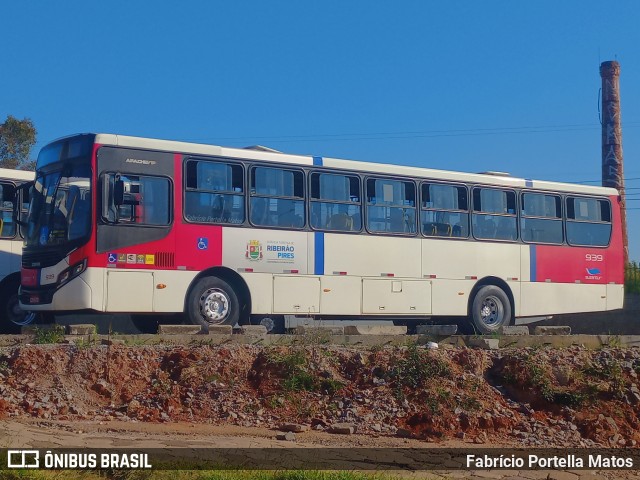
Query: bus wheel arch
x,y
491,306
12,318
226,291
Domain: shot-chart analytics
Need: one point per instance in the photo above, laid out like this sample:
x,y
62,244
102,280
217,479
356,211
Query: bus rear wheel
x,y
490,310
212,301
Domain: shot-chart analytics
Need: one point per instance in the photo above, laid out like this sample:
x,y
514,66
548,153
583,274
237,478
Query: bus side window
x,y
588,221
444,210
282,191
494,214
7,195
335,202
214,192
392,206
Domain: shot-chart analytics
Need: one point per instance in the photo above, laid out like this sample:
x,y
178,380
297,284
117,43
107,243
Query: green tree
x,y
17,137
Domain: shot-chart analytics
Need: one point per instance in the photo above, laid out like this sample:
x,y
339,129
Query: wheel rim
x,y
18,316
268,323
492,311
215,306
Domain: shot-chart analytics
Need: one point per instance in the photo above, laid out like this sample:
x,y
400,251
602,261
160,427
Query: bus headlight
x,y
72,272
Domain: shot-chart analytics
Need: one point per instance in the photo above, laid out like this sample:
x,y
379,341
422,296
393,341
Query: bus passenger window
x,y
444,210
494,214
335,202
7,196
214,192
588,221
391,206
277,197
541,218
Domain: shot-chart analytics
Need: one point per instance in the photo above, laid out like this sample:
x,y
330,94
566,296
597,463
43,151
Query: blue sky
x,y
459,85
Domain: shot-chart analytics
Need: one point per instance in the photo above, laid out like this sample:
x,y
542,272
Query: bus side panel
x,y
170,289
261,288
450,297
458,260
372,256
458,265
615,296
543,298
262,250
340,295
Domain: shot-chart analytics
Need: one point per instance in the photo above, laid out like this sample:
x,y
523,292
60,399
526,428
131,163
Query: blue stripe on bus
x,y
319,254
528,183
532,262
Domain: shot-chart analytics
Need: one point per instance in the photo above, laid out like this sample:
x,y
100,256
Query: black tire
x,y
491,309
212,301
12,317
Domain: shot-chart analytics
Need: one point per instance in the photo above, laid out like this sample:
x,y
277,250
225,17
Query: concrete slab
x,y
375,330
484,343
514,330
179,329
81,329
552,330
253,330
311,330
437,330
220,330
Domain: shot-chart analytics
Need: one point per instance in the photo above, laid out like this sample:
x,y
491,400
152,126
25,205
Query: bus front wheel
x,y
212,301
13,318
491,310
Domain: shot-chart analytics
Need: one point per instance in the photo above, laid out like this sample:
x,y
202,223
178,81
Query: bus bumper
x,y
76,295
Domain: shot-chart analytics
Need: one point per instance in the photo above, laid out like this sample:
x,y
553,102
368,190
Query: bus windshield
x,y
60,210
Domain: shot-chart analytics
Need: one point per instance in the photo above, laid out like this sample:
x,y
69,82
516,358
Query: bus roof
x,y
359,166
11,174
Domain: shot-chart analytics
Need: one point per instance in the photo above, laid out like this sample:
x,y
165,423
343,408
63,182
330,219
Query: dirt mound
x,y
539,397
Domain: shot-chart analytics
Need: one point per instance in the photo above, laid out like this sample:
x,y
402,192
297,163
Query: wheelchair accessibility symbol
x,y
203,243
112,258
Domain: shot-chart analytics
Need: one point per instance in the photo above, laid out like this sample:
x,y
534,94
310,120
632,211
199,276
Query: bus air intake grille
x,y
40,259
165,259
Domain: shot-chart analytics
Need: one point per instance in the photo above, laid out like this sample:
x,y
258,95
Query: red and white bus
x,y
223,235
12,200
